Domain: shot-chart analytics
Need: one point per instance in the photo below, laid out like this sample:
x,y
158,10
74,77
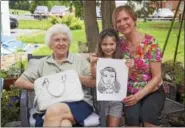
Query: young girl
x,y
109,47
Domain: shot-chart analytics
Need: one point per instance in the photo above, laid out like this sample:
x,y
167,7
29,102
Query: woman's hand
x,y
130,63
93,58
130,100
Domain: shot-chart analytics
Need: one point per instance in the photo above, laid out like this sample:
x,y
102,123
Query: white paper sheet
x,y
111,79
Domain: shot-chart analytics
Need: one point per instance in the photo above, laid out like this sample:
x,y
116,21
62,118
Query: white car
x,y
59,11
163,13
41,11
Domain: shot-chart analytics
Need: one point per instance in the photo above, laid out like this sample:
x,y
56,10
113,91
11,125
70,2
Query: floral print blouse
x,y
147,51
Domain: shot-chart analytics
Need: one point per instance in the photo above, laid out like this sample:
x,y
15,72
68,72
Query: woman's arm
x,y
153,83
149,88
23,83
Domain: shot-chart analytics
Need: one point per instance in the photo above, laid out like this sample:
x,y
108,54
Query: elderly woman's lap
x,y
56,113
65,114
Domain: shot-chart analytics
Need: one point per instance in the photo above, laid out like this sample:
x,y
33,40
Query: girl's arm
x,y
88,81
93,61
93,70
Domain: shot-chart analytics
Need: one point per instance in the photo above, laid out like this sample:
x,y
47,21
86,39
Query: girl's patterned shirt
x,y
147,51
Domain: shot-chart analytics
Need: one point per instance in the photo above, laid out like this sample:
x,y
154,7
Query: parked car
x,y
41,11
163,13
59,11
13,22
98,12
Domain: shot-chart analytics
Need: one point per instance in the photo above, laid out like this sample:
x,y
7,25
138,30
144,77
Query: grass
x,y
157,29
19,12
34,24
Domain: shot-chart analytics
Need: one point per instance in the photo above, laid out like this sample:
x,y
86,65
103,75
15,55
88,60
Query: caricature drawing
x,y
108,83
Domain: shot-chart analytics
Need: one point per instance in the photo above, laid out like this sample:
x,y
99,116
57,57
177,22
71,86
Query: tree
x,y
49,4
78,4
91,25
107,8
19,4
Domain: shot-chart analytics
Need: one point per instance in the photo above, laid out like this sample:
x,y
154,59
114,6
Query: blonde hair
x,y
125,8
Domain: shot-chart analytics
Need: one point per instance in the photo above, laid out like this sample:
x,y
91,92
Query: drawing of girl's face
x,y
108,77
108,46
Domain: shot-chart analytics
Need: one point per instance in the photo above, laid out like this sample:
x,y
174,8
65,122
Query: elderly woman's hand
x,y
93,58
130,100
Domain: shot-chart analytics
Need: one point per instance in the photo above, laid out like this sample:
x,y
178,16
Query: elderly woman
x,y
58,38
146,97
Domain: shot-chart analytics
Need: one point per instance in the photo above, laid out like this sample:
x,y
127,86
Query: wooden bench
x,y
27,97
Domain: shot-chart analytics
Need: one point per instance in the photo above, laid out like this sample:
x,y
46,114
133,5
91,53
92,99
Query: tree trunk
x,y
107,8
91,25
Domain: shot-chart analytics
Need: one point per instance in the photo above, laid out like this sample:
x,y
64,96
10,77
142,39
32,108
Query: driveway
x,y
8,60
23,32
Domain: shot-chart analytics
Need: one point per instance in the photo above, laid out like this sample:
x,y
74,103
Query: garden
x,y
172,73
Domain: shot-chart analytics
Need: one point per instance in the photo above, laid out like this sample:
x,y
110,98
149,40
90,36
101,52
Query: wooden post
x,y
178,38
168,35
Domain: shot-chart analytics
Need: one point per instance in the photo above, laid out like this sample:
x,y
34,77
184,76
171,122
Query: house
x,y
171,4
5,28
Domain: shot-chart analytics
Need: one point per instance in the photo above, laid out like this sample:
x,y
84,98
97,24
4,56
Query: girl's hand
x,y
93,58
130,100
130,63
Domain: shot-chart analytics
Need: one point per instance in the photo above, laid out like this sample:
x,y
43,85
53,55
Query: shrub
x,y
70,20
53,19
176,71
76,25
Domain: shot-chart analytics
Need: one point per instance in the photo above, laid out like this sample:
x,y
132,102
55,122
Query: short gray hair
x,y
57,29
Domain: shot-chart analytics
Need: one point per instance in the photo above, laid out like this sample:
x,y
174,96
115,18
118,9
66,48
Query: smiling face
x,y
108,46
108,77
124,23
60,44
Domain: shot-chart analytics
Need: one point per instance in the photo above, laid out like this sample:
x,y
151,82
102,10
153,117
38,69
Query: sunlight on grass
x,y
34,24
157,29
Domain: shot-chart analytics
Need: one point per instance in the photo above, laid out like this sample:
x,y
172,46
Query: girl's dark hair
x,y
109,33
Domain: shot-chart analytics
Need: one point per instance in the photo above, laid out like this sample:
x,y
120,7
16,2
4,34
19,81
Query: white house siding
x,y
5,20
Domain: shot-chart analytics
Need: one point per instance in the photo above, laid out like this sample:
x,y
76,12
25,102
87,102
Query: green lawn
x,y
34,24
158,29
19,12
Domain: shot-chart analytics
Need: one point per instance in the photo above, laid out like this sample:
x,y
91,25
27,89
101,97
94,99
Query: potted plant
x,y
11,75
10,102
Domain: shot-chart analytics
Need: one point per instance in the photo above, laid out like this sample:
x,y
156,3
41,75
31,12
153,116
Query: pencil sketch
x,y
108,83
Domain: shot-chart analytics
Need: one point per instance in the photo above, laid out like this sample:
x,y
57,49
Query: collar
x,y
70,58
